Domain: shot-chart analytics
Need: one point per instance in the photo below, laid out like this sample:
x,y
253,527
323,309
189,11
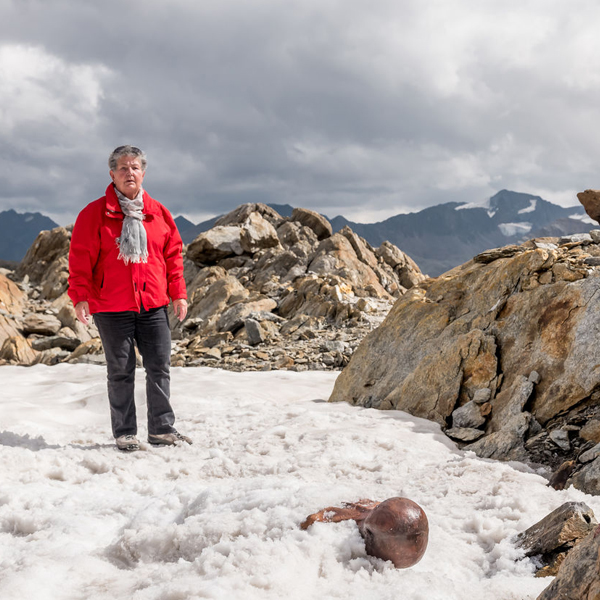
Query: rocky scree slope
x,y
264,292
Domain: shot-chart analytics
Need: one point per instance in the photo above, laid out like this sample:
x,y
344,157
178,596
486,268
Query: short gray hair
x,y
117,153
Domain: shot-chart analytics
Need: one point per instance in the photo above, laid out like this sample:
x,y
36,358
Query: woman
x,y
125,264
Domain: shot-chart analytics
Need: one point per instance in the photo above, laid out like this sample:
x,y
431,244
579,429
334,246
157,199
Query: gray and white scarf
x,y
133,243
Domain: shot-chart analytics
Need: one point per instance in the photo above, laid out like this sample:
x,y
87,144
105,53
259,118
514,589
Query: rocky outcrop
x,y
578,577
264,292
550,540
506,344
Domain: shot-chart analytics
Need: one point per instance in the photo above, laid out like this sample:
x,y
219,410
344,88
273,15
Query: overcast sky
x,y
353,107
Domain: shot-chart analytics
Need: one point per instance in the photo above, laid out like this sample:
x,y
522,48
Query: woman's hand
x,y
82,312
180,308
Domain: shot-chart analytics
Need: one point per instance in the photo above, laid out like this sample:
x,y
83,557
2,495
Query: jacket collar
x,y
112,202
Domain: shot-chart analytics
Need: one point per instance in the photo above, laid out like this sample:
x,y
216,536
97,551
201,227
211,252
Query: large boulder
x,y
214,244
45,259
521,322
313,220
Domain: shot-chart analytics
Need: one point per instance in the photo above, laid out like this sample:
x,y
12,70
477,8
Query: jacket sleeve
x,y
83,254
172,253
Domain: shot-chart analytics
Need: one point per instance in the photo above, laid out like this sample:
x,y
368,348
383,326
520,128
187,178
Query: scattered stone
x,y
534,377
254,332
313,220
482,396
587,478
561,439
591,202
590,455
576,238
464,434
468,416
495,254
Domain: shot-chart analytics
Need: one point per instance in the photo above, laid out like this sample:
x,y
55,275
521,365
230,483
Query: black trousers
x,y
150,330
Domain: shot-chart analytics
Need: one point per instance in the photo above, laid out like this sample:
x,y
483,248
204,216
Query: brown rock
x,y
45,255
591,202
318,223
93,346
557,532
42,324
12,298
590,432
17,350
335,255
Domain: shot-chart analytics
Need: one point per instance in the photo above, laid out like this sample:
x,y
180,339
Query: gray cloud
x,y
363,109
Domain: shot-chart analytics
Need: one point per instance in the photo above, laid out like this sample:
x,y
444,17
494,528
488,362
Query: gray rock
x,y
576,238
561,438
464,434
482,395
595,235
468,416
254,332
518,396
534,377
333,346
506,444
589,455
233,318
215,244
587,479
592,261
55,341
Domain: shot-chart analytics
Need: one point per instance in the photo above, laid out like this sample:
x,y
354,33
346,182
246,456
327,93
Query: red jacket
x,y
97,276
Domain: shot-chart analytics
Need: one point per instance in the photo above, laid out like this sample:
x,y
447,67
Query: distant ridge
x,y
18,231
438,238
441,237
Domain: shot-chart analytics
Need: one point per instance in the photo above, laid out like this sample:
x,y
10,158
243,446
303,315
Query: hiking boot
x,y
127,443
168,439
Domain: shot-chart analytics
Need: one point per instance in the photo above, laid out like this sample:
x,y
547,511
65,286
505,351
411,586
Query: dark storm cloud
x,y
364,109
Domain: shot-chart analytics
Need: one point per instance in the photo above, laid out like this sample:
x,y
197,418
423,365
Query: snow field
x,y
220,519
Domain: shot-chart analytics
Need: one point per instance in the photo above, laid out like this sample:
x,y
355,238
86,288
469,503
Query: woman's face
x,y
128,176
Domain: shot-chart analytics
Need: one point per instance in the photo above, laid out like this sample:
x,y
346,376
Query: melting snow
x,y
510,229
530,208
220,519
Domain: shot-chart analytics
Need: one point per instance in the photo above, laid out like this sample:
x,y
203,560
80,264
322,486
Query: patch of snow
x,y
584,217
511,229
29,219
220,518
481,204
530,208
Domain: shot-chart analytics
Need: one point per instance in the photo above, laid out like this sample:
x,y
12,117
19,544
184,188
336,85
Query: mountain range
x,y
438,238
441,237
17,233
